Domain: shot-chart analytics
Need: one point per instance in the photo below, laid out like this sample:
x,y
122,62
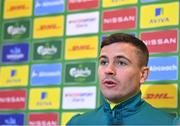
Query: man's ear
x,y
144,74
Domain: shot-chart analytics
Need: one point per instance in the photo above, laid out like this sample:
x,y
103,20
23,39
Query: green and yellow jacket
x,y
134,111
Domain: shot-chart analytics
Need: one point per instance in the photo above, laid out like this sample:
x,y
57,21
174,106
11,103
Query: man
x,y
122,69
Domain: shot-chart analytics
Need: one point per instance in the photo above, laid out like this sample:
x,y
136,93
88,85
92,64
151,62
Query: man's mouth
x,y
109,83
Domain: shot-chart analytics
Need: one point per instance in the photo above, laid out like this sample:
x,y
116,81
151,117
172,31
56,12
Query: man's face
x,y
119,72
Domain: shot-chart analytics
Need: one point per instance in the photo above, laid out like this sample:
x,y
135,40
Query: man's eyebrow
x,y
102,56
116,57
122,57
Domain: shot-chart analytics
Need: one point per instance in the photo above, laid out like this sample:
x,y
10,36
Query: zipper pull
x,y
113,113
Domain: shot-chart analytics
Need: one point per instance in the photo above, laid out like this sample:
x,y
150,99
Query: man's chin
x,y
114,98
111,98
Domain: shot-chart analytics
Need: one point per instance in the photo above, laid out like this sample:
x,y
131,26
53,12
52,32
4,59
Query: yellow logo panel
x,y
66,116
48,27
14,76
44,98
111,3
83,47
161,95
159,15
17,8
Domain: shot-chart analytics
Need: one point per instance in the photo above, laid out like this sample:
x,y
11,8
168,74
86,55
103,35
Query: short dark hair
x,y
127,38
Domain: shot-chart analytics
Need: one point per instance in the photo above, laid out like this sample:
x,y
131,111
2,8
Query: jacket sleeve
x,y
176,121
73,120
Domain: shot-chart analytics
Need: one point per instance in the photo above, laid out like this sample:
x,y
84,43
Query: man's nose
x,y
110,69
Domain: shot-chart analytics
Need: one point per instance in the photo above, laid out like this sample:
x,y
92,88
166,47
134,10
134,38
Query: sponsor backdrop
x,y
49,55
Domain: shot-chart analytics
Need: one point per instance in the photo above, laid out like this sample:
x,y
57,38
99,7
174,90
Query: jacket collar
x,y
125,108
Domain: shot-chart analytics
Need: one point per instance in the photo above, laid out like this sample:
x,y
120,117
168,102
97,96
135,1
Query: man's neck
x,y
113,104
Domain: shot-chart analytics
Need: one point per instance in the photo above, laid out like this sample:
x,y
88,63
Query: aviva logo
x,y
43,95
159,15
158,11
13,73
44,98
13,76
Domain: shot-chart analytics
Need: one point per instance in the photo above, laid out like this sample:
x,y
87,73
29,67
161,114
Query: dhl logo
x,y
81,47
158,96
50,26
18,7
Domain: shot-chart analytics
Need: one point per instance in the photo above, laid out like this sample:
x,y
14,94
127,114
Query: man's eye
x,y
103,62
121,63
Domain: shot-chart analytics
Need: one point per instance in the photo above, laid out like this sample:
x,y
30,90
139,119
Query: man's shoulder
x,y
85,118
156,115
156,111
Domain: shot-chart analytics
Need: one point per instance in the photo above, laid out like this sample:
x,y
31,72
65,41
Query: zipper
x,y
114,113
